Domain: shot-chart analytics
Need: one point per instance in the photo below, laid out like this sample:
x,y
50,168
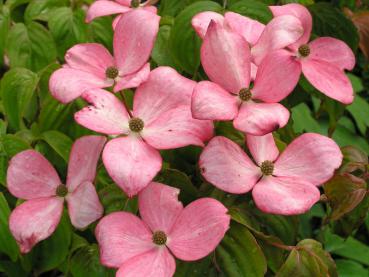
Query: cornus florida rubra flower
x,y
277,34
90,65
160,119
140,247
281,184
109,7
322,61
30,176
225,57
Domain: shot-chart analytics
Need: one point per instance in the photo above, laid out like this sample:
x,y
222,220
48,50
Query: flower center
x,y
135,3
111,72
61,191
136,124
159,238
245,94
267,168
304,50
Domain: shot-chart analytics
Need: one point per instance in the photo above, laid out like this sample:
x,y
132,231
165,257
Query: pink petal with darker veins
x,y
262,148
134,39
155,263
131,163
177,128
159,206
164,90
302,13
224,164
107,115
328,79
30,175
201,21
90,57
211,101
198,229
285,196
333,51
84,205
310,157
276,77
280,32
83,160
259,119
225,57
103,8
133,80
67,84
122,236
35,220
250,29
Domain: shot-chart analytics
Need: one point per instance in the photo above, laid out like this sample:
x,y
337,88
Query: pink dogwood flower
x,y
31,177
109,7
281,183
160,119
90,65
141,247
225,57
322,61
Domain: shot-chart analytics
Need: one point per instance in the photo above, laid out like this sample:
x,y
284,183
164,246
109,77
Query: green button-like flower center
x,y
136,124
267,168
111,72
245,94
304,50
159,238
135,3
61,191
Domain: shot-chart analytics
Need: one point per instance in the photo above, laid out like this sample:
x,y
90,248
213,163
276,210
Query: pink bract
x,y
226,59
323,60
31,177
161,119
141,247
90,65
283,183
109,7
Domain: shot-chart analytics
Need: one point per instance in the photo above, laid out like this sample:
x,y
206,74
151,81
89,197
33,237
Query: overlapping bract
x,y
190,233
31,177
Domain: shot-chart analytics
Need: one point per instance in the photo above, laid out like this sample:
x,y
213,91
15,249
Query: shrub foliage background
x,y
332,239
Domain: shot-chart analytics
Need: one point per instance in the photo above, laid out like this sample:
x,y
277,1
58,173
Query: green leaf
x,y
61,143
253,9
344,193
101,31
85,262
330,21
239,254
194,269
303,120
40,9
17,88
4,29
160,53
359,109
12,145
7,242
226,129
348,268
30,46
356,82
344,137
173,7
68,28
184,44
12,4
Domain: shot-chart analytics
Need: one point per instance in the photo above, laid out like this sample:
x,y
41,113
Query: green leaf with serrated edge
x,y
184,44
61,143
344,193
68,28
30,46
40,9
180,180
7,242
17,88
328,21
239,254
353,159
254,9
85,262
